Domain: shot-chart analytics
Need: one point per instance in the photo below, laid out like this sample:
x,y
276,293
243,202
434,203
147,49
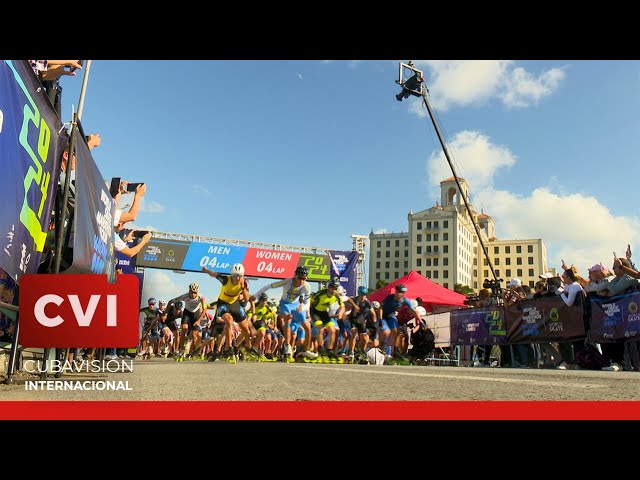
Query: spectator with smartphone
x,y
121,244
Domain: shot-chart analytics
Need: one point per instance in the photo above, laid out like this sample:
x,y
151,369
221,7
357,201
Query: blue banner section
x,y
478,326
216,257
126,263
30,151
615,318
344,265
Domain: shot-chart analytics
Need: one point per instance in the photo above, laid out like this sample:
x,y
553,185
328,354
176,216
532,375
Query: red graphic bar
x,y
259,262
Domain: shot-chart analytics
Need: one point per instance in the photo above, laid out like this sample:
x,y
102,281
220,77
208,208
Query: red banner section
x,y
259,262
323,410
71,311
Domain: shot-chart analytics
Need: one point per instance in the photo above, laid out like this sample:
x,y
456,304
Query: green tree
x,y
380,283
463,289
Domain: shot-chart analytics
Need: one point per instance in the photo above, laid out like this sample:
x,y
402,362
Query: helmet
x,y
302,272
151,300
400,288
162,302
362,290
180,305
194,287
341,291
375,304
237,269
263,297
334,282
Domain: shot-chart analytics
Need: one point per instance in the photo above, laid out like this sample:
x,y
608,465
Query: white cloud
x,y
151,206
476,159
199,189
159,284
134,226
474,82
575,226
300,76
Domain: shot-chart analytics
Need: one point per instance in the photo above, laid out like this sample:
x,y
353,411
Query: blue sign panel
x,y
216,257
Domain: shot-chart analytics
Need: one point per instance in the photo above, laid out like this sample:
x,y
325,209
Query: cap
x,y
546,275
400,288
514,282
597,267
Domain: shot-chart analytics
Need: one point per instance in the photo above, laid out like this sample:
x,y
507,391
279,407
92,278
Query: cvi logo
x,y
72,311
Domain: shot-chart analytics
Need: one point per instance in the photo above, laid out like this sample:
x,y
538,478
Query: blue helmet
x,y
362,290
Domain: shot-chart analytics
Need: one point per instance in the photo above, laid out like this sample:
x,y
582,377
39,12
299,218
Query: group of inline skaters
x,y
326,326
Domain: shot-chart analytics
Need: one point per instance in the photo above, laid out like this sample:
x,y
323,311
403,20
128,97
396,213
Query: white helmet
x,y
237,269
375,304
375,356
194,287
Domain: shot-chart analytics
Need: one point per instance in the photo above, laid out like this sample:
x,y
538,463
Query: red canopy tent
x,y
418,286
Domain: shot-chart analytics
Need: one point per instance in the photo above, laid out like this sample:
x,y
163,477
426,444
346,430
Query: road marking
x,y
459,377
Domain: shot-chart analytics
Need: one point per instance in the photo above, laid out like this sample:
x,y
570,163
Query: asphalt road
x,y
161,379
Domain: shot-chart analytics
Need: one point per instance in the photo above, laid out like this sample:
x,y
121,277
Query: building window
x,y
530,260
419,237
378,254
427,274
419,272
531,273
507,249
496,261
485,261
475,285
386,275
445,285
396,264
475,239
405,272
529,248
435,262
428,224
419,262
436,224
397,275
435,237
508,273
475,273
519,272
498,273
445,274
396,254
419,250
428,262
475,261
397,243
445,224
406,243
386,264
377,264
428,248
388,243
519,261
445,237
379,243
518,248
387,254
486,274
406,264
435,249
406,253
435,274
419,225
445,249
507,261
531,283
496,250
428,237
445,261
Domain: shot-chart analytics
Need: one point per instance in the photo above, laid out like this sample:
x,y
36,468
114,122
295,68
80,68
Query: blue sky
x,y
309,152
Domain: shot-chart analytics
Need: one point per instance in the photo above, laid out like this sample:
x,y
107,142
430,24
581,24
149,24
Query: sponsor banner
x,y
615,318
30,151
345,265
216,257
440,325
259,262
126,263
168,254
71,311
319,266
546,319
478,326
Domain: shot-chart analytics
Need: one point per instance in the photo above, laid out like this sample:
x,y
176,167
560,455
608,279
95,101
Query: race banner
x,y
440,325
92,233
615,318
30,151
216,257
125,262
169,254
478,326
259,262
345,265
546,319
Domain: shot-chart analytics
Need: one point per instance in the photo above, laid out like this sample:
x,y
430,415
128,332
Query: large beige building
x,y
442,244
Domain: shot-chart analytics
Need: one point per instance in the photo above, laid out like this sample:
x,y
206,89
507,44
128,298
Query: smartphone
x,y
73,69
140,233
115,186
131,187
614,255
